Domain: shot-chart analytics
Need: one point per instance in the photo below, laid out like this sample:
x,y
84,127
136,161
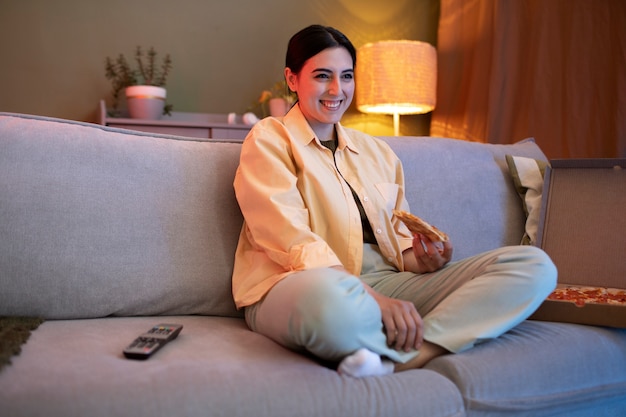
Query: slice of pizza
x,y
616,296
419,226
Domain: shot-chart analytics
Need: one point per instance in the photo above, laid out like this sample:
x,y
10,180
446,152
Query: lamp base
x,y
396,124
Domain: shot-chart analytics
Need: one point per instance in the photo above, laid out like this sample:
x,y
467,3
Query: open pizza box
x,y
583,229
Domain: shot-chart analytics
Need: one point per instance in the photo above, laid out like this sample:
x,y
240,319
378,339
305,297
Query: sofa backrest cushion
x,y
97,222
465,189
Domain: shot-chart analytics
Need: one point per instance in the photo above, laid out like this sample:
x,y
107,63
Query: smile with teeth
x,y
331,104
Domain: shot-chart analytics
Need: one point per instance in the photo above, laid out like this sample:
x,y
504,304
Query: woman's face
x,y
325,88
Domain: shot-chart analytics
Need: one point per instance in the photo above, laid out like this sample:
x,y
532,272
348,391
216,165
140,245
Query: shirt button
x,y
390,259
379,231
366,199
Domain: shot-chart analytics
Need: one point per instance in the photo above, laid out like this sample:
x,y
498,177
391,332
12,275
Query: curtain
x,y
554,70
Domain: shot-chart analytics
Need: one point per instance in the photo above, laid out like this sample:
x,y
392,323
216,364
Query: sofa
x,y
106,232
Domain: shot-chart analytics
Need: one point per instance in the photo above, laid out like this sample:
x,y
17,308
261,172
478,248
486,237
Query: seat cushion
x,y
215,367
542,369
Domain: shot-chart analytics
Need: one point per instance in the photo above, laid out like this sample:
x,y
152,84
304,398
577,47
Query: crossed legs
x,y
329,313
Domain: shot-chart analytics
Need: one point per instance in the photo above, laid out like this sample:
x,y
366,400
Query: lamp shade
x,y
396,77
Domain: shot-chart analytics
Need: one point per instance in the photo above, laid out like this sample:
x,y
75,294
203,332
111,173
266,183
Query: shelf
x,y
209,126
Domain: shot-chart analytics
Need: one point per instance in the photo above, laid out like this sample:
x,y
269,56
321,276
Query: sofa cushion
x,y
465,189
542,369
97,221
528,177
215,367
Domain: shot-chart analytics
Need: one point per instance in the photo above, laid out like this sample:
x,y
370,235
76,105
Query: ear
x,y
291,80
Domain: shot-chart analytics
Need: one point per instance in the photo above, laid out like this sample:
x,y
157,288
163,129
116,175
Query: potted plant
x,y
144,86
278,100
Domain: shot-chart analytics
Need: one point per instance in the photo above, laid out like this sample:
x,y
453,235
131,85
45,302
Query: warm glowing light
x,y
396,77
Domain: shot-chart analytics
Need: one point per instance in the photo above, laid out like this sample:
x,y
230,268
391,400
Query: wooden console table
x,y
196,125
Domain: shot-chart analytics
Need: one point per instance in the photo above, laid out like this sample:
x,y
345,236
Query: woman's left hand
x,y
426,255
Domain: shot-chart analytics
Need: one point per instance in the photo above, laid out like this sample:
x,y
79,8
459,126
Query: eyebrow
x,y
327,70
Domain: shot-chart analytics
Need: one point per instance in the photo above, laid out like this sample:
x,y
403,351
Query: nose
x,y
335,86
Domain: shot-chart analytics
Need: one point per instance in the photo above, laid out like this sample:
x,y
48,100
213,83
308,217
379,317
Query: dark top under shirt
x,y
368,233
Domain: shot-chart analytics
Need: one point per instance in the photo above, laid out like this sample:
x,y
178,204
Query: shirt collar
x,y
302,132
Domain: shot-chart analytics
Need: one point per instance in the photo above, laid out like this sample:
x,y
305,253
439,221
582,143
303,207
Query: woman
x,y
323,266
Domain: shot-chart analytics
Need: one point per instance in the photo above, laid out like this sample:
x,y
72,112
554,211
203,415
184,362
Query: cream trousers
x,y
330,314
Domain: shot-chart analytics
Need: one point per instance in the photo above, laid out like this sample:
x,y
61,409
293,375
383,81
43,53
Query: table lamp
x,y
396,77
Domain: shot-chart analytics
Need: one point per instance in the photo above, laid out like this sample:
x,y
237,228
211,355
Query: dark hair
x,y
312,40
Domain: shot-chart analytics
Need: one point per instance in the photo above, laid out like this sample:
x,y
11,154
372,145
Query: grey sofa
x,y
105,233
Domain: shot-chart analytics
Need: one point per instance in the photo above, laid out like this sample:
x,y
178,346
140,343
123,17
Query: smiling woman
x,y
324,265
319,68
325,88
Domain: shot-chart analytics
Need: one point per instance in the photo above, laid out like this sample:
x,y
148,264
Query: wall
x,y
553,70
224,52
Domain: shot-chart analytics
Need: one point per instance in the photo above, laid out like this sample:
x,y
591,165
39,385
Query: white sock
x,y
364,362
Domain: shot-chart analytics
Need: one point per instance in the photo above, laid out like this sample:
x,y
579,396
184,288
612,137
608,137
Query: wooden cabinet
x,y
207,126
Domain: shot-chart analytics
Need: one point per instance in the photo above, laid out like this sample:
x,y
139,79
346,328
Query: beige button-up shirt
x,y
299,210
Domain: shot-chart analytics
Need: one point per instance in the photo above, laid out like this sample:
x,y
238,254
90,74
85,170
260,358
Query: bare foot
x,y
427,352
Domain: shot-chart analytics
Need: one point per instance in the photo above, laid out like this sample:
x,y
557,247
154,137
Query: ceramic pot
x,y
145,101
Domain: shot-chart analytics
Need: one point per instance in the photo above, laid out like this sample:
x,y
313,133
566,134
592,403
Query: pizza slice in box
x,y
582,295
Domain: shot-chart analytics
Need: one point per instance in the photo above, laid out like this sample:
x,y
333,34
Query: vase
x,y
278,107
145,101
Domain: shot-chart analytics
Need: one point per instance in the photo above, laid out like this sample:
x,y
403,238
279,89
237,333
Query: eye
x,y
347,76
321,76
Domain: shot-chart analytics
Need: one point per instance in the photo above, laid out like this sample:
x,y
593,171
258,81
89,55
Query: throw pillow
x,y
528,174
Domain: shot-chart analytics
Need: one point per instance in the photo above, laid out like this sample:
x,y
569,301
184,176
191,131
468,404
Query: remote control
x,y
146,344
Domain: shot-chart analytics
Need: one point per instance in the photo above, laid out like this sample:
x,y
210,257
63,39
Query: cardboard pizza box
x,y
583,228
